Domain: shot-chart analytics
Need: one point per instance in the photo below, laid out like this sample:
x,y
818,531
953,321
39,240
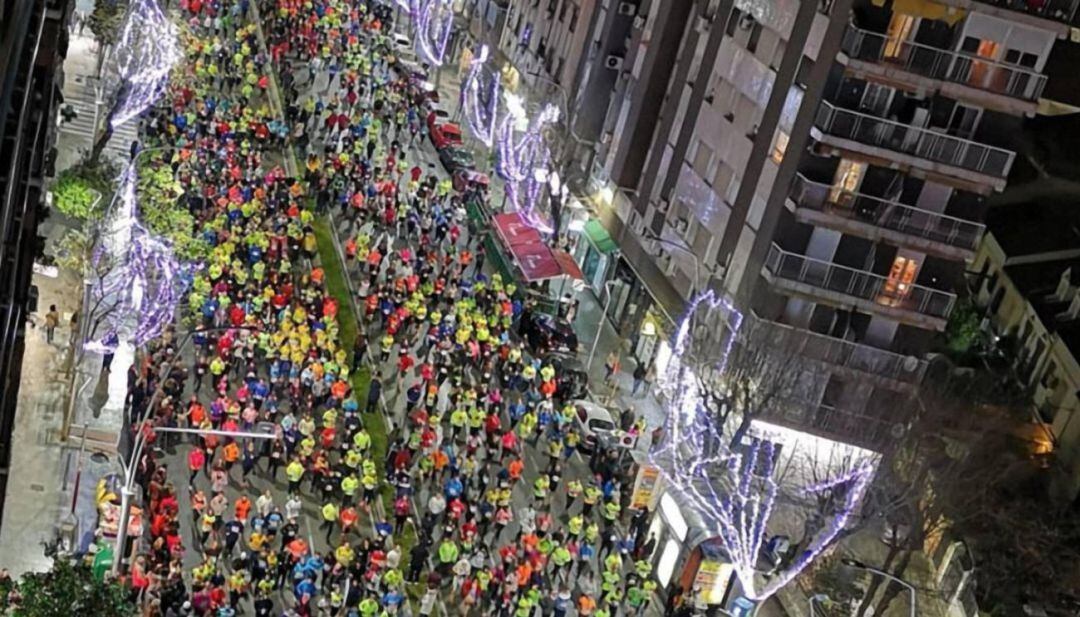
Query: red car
x,y
446,135
435,117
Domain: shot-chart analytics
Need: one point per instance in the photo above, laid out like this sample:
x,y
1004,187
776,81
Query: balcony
x,y
846,287
855,361
885,220
965,76
834,424
895,142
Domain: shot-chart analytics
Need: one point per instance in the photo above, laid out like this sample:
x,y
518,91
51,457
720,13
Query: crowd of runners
x,y
471,499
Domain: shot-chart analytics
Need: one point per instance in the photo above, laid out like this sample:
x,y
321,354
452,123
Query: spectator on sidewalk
x,y
52,319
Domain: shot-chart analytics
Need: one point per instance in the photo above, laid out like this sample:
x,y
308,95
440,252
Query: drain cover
x,y
98,457
37,488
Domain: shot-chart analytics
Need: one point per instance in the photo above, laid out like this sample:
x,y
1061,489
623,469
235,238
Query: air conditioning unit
x,y
613,62
639,21
681,225
605,137
663,206
627,8
746,21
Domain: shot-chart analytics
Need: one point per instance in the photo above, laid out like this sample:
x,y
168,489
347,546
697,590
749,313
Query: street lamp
x,y
858,565
600,327
817,598
128,489
685,249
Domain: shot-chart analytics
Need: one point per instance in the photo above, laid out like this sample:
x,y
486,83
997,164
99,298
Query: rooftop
x,y
1037,282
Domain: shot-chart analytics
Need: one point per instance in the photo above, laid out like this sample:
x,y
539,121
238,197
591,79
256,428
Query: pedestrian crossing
x,y
79,94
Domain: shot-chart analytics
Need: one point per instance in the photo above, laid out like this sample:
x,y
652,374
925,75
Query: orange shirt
x,y
231,452
515,468
243,508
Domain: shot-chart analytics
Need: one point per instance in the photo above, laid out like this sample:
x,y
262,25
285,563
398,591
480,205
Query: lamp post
x,y
600,326
696,283
817,598
858,565
128,489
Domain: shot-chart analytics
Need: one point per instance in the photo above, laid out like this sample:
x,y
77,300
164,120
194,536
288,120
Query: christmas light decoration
x,y
433,20
148,280
480,101
146,51
734,492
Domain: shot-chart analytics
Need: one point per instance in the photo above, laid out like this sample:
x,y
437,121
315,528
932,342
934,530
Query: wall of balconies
x,y
884,219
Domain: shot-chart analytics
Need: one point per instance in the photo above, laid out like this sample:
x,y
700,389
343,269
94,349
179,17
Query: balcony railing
x,y
923,143
886,214
1063,11
859,283
840,352
855,427
944,64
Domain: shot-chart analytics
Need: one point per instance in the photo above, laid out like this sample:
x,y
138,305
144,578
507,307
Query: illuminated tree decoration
x,y
480,100
734,492
145,53
148,279
524,162
433,19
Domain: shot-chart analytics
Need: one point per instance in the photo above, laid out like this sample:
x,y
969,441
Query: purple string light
x,y
480,113
149,281
145,53
734,492
433,21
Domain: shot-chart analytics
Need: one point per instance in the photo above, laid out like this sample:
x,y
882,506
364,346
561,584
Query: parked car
x,y
435,117
594,423
467,179
446,135
454,159
545,333
571,378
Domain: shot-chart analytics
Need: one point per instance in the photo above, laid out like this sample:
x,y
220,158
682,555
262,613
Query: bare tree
x,y
958,450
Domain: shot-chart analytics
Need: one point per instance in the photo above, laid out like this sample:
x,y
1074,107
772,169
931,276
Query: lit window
x,y
673,516
780,147
666,566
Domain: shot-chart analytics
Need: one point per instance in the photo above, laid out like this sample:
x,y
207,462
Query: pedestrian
x,y
639,377
52,319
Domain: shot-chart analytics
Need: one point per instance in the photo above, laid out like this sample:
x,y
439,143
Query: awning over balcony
x,y
535,259
926,9
599,236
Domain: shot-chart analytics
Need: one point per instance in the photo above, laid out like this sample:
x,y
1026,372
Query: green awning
x,y
599,236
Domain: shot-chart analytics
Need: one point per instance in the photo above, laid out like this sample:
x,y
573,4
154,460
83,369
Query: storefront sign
x,y
712,581
646,488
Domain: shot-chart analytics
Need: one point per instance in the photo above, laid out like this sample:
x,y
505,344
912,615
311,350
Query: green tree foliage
x,y
106,18
963,336
77,188
74,249
67,589
162,210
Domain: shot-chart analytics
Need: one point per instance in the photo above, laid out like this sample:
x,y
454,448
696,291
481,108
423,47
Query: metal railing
x,y
944,64
887,214
923,143
1063,11
858,283
828,419
839,352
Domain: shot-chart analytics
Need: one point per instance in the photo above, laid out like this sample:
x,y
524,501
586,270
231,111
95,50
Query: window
x,y
573,19
898,285
849,175
1021,58
755,36
780,146
900,29
702,159
732,22
562,11
558,70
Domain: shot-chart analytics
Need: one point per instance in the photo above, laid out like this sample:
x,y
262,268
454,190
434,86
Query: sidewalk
x,y
39,492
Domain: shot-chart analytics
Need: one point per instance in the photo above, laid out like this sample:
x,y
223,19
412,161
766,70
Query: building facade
x,y
1026,283
827,164
33,43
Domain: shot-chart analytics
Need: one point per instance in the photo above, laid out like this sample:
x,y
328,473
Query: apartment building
x,y
1026,281
545,40
33,43
827,164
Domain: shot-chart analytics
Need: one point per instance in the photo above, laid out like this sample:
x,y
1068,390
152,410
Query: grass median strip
x,y
337,285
